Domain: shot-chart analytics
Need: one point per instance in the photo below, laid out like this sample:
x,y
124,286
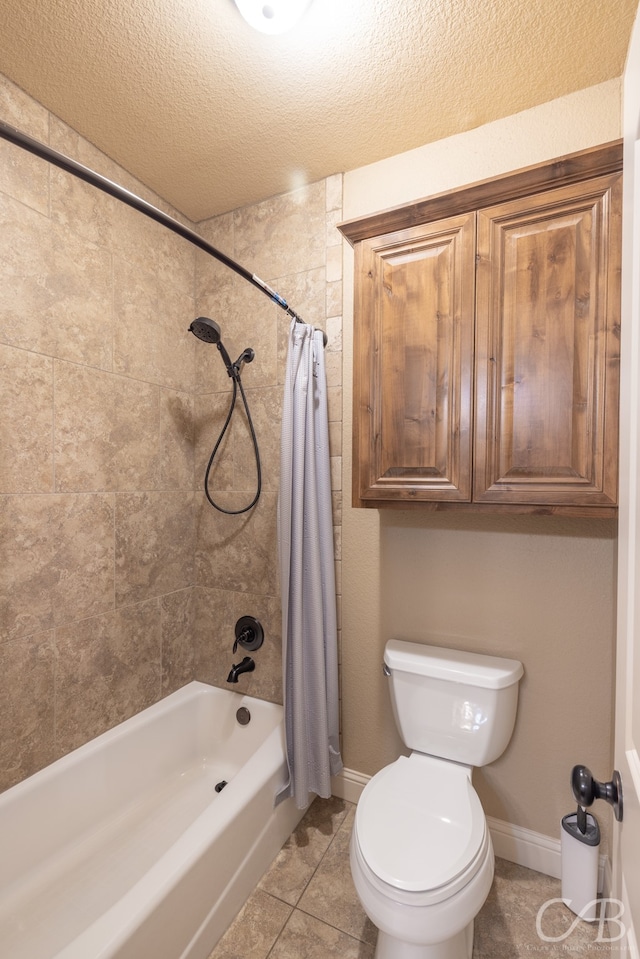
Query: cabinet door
x,y
548,309
413,378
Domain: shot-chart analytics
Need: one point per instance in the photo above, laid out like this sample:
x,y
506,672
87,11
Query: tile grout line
x,y
321,860
311,915
296,907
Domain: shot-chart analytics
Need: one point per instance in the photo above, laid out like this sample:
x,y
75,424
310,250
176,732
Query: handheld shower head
x,y
205,329
209,332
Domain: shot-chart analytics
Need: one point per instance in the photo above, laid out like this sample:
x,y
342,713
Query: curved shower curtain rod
x,y
28,143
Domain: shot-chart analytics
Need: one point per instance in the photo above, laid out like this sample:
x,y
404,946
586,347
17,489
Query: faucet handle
x,y
249,634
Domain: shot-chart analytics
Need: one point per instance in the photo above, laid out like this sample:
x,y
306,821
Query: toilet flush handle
x,y
385,670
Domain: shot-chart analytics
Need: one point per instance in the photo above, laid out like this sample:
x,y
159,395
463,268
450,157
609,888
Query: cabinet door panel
x,y
548,347
413,363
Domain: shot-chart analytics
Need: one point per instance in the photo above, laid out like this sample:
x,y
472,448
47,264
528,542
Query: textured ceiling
x,y
213,115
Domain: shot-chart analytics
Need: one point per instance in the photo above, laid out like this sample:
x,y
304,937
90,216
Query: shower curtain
x,y
307,574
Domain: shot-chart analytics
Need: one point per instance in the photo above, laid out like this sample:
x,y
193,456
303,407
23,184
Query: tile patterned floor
x,y
306,907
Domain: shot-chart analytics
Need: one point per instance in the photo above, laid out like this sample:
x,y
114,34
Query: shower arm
x,y
18,138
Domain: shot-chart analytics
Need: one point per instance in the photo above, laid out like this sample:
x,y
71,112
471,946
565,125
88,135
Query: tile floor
x,y
306,907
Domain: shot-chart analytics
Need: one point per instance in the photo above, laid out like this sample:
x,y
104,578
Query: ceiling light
x,y
272,16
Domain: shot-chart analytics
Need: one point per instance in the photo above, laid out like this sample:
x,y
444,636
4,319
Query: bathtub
x,y
123,849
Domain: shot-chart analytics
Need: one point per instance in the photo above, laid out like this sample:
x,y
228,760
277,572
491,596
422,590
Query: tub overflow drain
x,y
220,786
243,716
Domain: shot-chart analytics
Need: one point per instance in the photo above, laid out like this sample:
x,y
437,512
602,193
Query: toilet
x,y
421,854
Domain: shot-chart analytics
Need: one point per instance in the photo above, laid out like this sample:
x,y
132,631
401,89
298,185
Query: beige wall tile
x,y
333,366
154,544
93,216
107,431
249,322
215,282
108,669
55,290
336,499
176,470
333,192
265,407
68,141
107,222
334,402
26,181
334,333
217,612
151,320
253,324
305,293
336,472
334,264
24,177
210,413
178,612
284,234
335,442
26,435
332,219
237,552
57,560
334,300
26,720
176,259
27,578
81,532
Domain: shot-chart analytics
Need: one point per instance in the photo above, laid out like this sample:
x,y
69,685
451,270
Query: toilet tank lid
x,y
453,665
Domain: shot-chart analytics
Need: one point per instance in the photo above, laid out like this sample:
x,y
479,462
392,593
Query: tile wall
x,y
292,243
118,583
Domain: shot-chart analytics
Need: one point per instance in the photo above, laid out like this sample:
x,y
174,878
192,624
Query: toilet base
x,y
460,947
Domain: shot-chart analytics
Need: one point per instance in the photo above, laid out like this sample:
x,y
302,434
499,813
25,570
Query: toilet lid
x,y
420,823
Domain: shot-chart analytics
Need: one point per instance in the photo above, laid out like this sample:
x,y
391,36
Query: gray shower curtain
x,y
307,574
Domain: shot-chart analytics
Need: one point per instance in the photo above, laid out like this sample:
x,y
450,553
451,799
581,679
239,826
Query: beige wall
x,y
540,589
117,582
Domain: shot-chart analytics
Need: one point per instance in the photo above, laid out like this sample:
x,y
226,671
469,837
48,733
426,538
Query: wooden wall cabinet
x,y
486,344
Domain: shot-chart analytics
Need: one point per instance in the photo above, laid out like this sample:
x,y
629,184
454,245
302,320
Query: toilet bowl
x,y
421,854
421,858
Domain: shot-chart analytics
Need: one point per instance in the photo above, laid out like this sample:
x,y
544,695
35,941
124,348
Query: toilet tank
x,y
452,704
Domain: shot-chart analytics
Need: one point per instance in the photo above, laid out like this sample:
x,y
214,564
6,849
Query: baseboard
x,y
513,843
349,784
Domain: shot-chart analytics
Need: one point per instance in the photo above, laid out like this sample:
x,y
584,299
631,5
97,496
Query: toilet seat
x,y
420,829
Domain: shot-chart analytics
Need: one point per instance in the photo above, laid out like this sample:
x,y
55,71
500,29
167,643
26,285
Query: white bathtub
x,y
124,850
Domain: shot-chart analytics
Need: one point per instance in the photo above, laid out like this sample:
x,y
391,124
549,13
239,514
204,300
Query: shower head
x,y
205,329
209,332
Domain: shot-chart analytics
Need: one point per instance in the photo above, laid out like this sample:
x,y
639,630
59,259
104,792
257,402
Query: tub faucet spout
x,y
246,666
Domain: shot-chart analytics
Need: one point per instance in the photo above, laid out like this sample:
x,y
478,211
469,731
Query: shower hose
x,y
237,382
